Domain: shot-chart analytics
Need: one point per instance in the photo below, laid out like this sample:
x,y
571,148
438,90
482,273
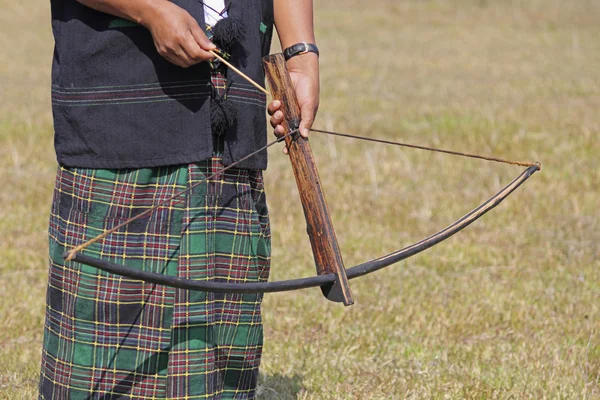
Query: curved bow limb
x,y
320,280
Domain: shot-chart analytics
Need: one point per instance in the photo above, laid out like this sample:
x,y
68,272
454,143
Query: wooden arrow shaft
x,y
326,251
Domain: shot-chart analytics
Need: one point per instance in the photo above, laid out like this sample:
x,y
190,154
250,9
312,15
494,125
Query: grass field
x,y
509,308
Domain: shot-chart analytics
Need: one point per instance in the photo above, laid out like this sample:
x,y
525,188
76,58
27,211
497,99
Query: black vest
x,y
118,104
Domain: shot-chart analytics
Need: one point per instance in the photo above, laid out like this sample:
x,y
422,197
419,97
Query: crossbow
x,y
332,277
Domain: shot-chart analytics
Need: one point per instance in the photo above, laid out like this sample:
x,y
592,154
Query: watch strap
x,y
300,48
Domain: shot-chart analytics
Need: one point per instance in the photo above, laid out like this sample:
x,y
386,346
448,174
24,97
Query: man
x,y
141,111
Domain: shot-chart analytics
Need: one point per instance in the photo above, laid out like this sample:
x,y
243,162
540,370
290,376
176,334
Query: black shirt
x,y
118,104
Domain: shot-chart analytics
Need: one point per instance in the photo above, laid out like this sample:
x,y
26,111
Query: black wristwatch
x,y
300,48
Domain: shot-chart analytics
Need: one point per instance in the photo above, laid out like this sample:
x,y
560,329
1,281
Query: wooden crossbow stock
x,y
332,277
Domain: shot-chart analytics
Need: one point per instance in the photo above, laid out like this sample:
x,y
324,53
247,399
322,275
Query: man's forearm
x,y
294,21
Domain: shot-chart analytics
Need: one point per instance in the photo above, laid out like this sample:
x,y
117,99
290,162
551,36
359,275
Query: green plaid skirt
x,y
110,337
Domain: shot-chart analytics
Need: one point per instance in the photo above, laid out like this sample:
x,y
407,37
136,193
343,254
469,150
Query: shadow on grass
x,y
279,387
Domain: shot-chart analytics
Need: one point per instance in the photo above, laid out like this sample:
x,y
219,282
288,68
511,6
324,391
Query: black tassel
x,y
227,32
223,115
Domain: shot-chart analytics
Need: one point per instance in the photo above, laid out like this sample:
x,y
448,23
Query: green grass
x,y
509,308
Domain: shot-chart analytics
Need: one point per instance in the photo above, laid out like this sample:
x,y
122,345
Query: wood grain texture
x,y
326,251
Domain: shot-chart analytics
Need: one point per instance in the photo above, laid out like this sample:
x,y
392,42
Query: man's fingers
x,y
276,119
194,52
201,39
174,53
307,112
191,49
198,46
273,106
279,130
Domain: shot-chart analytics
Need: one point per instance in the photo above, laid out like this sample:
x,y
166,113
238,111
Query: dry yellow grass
x,y
507,309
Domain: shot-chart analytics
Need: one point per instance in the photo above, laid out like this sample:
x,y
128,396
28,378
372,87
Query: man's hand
x,y
177,36
304,72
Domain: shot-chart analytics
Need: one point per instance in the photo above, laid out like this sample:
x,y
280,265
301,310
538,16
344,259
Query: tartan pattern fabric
x,y
109,337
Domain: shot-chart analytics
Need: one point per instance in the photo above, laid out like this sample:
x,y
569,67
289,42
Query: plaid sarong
x,y
109,337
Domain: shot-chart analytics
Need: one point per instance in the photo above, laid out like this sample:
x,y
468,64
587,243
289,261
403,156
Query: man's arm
x,y
177,35
294,23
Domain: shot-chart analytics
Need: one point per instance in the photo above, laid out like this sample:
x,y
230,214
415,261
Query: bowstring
x,y
434,149
71,254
